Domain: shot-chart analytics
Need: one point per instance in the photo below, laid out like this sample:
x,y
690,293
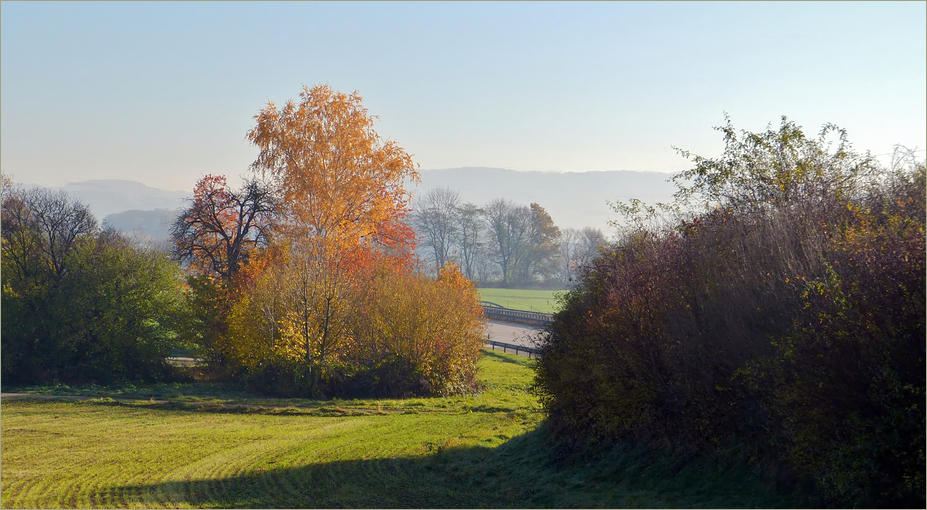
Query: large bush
x,y
80,304
404,334
433,327
783,316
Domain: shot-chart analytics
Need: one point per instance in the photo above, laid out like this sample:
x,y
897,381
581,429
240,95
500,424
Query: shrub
x,y
849,377
434,327
406,335
783,317
80,304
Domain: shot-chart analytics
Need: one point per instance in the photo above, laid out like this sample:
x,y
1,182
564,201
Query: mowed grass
x,y
520,299
228,451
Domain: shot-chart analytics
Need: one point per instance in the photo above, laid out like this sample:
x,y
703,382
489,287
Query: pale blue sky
x,y
164,93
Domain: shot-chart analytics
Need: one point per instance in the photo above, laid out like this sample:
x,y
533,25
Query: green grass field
x,y
519,299
203,446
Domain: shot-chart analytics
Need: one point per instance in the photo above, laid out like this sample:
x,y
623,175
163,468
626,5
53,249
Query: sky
x,y
164,92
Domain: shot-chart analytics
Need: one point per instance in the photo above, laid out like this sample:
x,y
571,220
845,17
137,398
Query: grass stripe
x,y
465,451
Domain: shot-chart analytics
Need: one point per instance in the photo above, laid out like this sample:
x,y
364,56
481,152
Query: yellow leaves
x,y
343,201
435,324
451,276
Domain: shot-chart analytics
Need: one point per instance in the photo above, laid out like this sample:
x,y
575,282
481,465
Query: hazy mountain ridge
x,y
573,199
153,225
110,196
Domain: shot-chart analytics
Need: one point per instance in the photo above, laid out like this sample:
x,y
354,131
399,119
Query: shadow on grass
x,y
527,471
306,408
217,392
507,359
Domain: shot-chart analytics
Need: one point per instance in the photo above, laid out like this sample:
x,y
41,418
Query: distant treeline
x,y
778,311
501,243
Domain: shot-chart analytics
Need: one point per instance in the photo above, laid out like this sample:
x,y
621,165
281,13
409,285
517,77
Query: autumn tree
x,y
342,206
216,232
216,236
523,240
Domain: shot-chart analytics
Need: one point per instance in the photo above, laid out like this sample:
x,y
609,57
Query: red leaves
x,y
216,233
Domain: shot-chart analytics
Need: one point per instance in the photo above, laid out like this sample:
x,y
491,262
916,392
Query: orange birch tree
x,y
342,205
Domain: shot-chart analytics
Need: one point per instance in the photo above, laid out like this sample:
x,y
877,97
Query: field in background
x,y
518,299
205,447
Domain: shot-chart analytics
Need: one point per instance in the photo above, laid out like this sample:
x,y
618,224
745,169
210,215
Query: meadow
x,y
522,299
198,445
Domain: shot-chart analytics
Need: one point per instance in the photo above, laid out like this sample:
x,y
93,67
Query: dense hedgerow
x,y
785,320
81,304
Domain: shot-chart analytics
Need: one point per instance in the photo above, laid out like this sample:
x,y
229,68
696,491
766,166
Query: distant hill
x,y
147,226
107,197
142,212
573,199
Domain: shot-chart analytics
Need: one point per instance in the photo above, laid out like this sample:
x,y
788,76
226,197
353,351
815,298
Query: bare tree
x,y
220,225
577,249
568,243
508,226
435,219
470,228
539,259
42,227
589,241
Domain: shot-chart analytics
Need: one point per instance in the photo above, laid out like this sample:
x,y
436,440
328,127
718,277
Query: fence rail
x,y
529,351
500,313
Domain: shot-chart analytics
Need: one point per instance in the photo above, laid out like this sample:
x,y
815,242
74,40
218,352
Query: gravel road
x,y
511,333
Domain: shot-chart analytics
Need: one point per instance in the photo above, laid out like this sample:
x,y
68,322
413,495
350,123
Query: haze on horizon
x,y
163,93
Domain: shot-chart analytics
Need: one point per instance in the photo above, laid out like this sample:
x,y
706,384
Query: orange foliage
x,y
340,182
434,326
332,295
342,206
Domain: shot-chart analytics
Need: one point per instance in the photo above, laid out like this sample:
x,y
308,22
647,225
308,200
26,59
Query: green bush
x,y
79,304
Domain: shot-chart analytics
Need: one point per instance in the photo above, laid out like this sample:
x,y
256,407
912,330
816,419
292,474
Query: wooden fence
x,y
501,313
